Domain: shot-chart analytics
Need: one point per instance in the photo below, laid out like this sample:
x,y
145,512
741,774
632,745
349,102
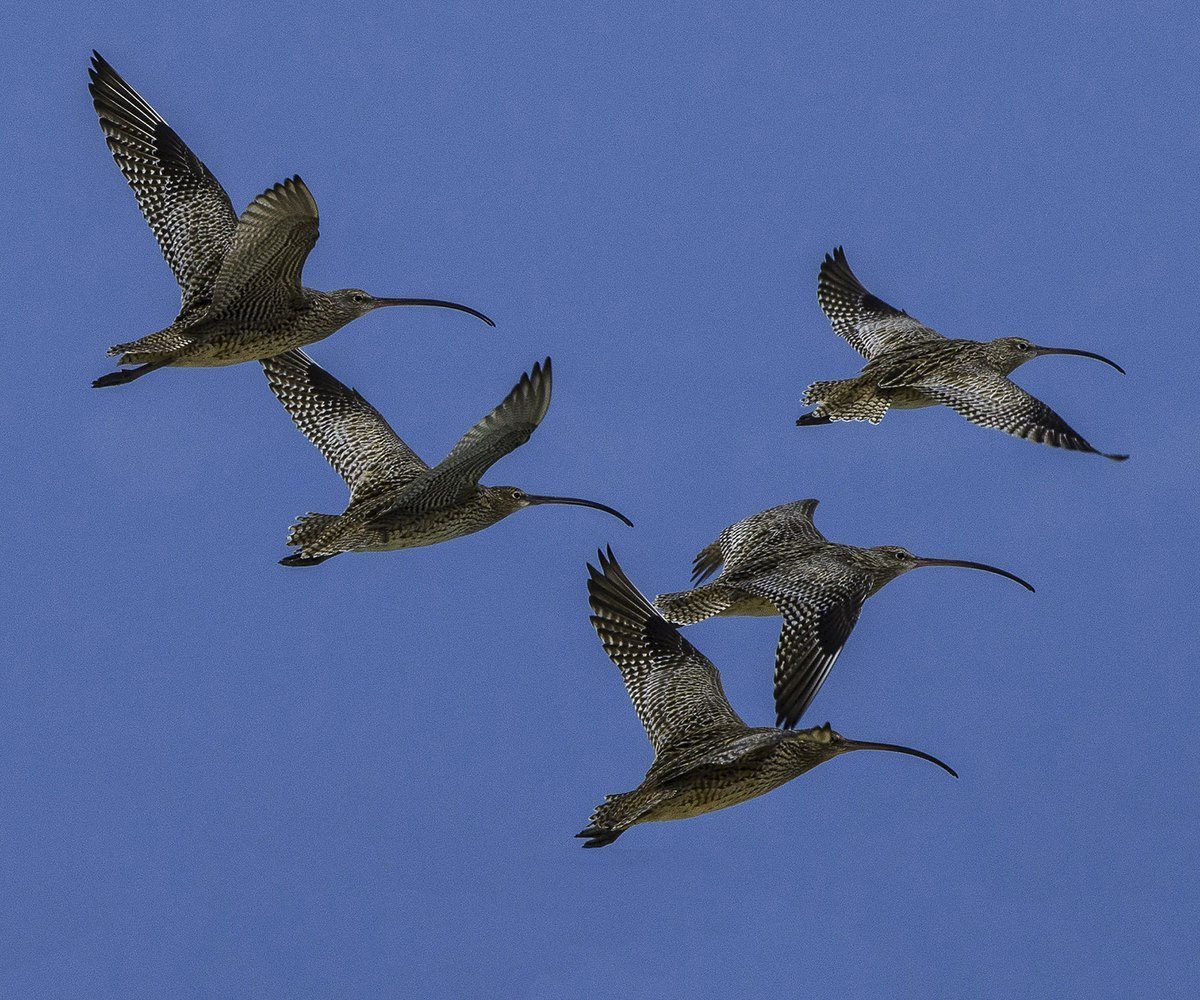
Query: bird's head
x,y
354,302
506,500
1009,353
886,562
823,743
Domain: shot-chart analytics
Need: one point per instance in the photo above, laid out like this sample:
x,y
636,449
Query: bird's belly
x,y
232,347
412,531
750,606
909,399
727,787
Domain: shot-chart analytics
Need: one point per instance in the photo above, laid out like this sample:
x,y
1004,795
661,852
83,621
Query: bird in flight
x,y
776,562
241,295
396,500
910,365
705,757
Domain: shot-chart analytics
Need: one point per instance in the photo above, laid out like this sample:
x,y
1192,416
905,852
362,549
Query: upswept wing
x,y
675,689
187,209
274,237
820,610
503,430
991,400
348,430
866,322
743,544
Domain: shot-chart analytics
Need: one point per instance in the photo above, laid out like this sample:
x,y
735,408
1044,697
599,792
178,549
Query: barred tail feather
x,y
308,532
686,607
847,399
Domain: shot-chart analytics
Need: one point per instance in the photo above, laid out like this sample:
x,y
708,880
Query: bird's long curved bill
x,y
439,303
974,565
579,503
891,747
1081,354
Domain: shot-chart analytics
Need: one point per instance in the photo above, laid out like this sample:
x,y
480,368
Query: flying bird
x,y
705,757
910,365
242,299
776,562
396,500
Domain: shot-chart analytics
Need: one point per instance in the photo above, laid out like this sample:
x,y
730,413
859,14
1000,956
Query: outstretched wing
x,y
273,238
348,430
187,209
506,428
675,689
991,400
820,610
767,533
868,323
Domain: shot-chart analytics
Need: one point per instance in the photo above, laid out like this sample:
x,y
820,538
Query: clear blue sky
x,y
224,778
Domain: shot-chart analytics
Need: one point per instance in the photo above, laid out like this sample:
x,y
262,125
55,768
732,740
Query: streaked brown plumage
x,y
705,757
242,299
396,500
910,365
776,562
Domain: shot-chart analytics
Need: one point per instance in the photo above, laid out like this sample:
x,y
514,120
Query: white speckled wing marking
x,y
991,400
820,605
187,209
503,430
273,239
349,431
866,322
742,544
675,689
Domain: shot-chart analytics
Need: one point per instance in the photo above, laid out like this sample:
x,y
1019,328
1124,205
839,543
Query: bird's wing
x,y
187,209
506,428
348,430
868,323
273,239
739,748
675,689
991,400
819,613
742,545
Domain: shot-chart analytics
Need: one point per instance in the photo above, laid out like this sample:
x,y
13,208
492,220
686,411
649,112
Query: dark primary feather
x,y
506,428
187,209
676,691
866,322
351,434
820,601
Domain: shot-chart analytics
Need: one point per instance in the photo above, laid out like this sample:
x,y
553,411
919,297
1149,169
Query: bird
x,y
910,365
776,562
241,296
705,757
396,500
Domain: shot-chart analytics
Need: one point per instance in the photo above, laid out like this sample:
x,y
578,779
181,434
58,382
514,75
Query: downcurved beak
x,y
535,500
974,565
892,748
440,303
1039,351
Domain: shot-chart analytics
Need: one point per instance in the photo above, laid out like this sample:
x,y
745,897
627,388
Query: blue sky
x,y
225,778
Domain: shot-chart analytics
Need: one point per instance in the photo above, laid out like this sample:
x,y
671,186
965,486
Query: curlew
x,y
241,296
396,500
777,563
909,366
705,757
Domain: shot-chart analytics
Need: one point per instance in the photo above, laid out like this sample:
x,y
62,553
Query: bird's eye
x,y
518,495
1023,345
360,298
900,555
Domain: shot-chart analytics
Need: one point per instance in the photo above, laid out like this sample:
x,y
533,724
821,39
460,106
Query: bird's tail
x,y
310,534
617,813
686,607
163,344
855,398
